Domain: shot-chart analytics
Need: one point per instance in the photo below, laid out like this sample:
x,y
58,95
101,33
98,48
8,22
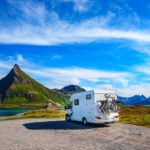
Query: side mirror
x,y
66,107
118,101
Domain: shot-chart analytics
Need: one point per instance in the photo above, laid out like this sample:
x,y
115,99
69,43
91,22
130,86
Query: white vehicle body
x,y
89,105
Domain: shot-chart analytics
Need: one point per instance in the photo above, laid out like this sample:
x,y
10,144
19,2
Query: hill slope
x,y
72,89
18,88
67,91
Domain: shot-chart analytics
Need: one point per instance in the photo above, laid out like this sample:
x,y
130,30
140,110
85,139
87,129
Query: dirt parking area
x,y
54,134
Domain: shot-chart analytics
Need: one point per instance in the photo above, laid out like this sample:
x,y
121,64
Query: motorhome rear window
x,y
76,102
88,96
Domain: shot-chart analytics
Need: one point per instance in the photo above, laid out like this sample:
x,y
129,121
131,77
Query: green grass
x,y
137,115
45,113
42,113
24,105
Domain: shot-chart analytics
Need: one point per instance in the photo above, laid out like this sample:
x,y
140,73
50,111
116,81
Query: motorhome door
x,y
88,108
77,113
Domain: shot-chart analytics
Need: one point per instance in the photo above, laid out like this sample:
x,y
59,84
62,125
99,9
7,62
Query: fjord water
x,y
11,112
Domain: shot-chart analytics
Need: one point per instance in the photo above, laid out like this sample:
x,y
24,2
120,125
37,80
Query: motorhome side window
x,y
76,102
88,96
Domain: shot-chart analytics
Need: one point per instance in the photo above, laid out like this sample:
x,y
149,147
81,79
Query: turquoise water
x,y
11,112
62,108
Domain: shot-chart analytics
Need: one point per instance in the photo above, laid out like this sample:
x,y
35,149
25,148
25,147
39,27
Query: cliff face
x,y
18,87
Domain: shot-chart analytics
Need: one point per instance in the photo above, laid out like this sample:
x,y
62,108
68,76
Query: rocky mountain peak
x,y
16,69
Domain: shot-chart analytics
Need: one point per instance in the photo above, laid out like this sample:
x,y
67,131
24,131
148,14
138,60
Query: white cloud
x,y
63,76
81,73
80,5
4,64
7,64
56,57
49,29
29,9
128,91
79,33
143,68
20,58
141,47
104,87
140,89
59,77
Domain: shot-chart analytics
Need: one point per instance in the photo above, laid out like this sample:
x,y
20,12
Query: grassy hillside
x,y
138,115
22,91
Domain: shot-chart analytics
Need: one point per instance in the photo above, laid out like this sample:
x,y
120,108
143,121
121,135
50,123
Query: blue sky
x,y
97,44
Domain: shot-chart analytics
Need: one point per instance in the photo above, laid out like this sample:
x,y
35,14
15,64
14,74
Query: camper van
x,y
95,106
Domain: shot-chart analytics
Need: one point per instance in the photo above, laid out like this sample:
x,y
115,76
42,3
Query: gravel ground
x,y
47,134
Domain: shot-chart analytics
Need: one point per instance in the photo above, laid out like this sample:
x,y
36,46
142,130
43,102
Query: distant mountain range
x,y
134,100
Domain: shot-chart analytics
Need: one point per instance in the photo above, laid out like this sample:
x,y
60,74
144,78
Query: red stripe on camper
x,y
117,116
97,117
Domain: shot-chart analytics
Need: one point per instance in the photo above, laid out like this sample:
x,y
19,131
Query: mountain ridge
x,y
68,90
19,88
134,100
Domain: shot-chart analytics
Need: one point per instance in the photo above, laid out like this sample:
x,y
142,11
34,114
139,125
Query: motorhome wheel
x,y
84,121
67,118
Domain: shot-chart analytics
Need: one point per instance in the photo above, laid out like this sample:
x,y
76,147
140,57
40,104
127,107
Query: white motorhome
x,y
95,106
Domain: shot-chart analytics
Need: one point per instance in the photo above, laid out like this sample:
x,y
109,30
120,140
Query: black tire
x,y
67,118
84,121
